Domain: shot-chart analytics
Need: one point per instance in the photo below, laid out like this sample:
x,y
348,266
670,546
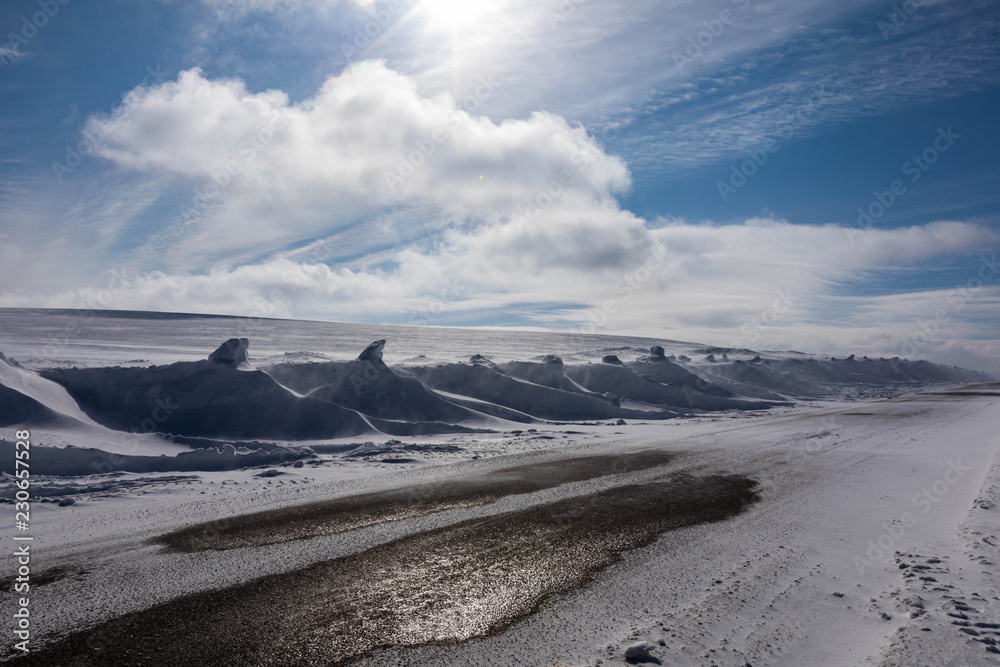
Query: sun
x,y
455,14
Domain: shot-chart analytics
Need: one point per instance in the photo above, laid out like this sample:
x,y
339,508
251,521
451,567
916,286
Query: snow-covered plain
x,y
873,542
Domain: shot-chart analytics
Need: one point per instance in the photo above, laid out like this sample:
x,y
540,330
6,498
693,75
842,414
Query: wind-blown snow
x,y
124,451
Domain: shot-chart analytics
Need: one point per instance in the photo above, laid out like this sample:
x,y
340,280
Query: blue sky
x,y
645,109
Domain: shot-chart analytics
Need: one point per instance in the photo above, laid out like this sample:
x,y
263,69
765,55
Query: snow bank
x,y
370,387
77,461
747,378
624,382
658,368
488,382
810,377
25,396
204,398
549,373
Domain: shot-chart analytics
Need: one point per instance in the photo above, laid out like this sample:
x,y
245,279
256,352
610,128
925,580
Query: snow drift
x,y
659,368
225,397
79,461
370,387
25,397
804,377
624,382
221,398
483,380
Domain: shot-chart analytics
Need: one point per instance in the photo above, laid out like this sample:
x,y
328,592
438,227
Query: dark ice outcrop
x,y
373,352
16,408
629,384
11,361
551,373
480,360
661,369
541,397
217,398
372,388
232,353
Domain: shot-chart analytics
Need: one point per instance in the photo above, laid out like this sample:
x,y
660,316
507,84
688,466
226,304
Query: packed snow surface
x,y
875,512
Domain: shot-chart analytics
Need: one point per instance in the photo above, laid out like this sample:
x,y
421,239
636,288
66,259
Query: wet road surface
x,y
450,584
352,512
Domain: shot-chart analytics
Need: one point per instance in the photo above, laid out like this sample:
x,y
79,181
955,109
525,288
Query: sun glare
x,y
454,14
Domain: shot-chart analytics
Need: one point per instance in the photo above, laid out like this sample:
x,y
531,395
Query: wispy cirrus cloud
x,y
686,87
814,80
8,55
711,281
489,161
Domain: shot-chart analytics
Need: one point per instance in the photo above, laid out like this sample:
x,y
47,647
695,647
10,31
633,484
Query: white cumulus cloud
x,y
267,173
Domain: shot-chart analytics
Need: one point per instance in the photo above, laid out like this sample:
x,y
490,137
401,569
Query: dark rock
x,y
611,359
